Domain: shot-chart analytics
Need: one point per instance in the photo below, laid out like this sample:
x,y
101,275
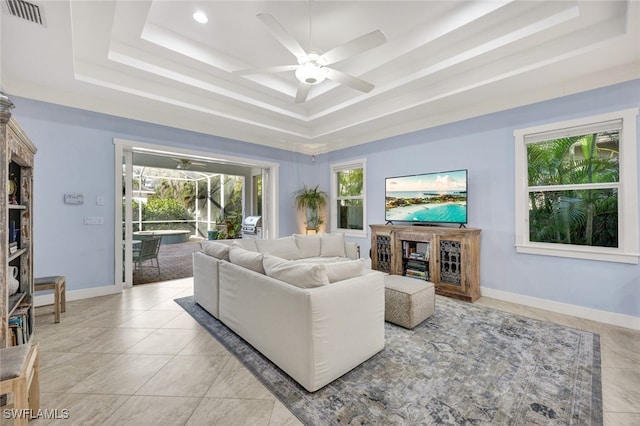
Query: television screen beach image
x,y
429,197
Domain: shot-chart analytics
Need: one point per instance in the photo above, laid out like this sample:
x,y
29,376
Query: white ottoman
x,y
408,301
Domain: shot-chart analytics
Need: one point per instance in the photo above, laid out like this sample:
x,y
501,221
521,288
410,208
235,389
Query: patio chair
x,y
148,250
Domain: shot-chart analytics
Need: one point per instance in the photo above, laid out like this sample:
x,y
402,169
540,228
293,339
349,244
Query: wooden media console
x,y
448,257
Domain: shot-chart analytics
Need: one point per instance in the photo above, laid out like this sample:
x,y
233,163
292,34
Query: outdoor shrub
x,y
165,209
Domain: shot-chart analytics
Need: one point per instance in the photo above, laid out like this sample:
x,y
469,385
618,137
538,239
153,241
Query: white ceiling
x,y
443,61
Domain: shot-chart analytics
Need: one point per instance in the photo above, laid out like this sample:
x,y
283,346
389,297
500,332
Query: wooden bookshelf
x,y
16,225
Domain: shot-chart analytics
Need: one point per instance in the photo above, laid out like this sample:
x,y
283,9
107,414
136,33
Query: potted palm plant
x,y
311,200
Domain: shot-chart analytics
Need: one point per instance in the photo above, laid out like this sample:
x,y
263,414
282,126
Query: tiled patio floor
x,y
175,263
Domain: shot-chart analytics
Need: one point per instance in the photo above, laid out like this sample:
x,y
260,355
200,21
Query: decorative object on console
x,y
311,200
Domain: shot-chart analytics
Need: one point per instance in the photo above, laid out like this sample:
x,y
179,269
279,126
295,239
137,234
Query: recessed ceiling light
x,y
200,17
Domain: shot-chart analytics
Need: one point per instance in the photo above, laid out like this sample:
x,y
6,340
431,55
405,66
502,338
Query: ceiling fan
x,y
313,67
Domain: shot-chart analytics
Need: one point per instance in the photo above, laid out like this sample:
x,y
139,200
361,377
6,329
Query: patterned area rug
x,y
466,365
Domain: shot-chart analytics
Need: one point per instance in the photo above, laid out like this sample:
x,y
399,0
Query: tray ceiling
x,y
443,61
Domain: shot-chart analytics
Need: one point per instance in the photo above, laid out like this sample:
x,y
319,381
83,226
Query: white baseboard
x,y
83,293
606,317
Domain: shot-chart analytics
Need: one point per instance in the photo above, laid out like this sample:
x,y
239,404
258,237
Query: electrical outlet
x,y
93,220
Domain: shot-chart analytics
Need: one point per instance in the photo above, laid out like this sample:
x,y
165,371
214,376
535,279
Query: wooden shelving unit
x,y
16,225
449,257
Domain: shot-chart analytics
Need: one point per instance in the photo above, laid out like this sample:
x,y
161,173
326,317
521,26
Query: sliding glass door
x,y
212,195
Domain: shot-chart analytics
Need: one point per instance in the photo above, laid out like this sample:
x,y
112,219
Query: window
x,y
348,212
577,188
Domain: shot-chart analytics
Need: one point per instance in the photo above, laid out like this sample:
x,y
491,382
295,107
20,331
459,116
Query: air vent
x,y
25,10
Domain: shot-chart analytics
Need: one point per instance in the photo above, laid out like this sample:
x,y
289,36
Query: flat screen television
x,y
427,198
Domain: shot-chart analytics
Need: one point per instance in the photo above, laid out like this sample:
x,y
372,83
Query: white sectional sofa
x,y
305,302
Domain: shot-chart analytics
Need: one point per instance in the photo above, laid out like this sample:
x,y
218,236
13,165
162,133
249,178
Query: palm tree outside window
x,y
576,188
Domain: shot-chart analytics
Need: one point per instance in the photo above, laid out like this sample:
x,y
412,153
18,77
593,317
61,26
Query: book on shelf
x,y
17,330
417,277
421,266
13,334
13,247
20,323
416,273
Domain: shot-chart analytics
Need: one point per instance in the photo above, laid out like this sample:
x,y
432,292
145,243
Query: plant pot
x,y
312,218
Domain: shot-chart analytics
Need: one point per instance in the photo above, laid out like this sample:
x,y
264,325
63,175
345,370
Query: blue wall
x,y
485,146
76,155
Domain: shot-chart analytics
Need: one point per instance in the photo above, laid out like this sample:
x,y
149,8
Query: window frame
x,y
628,238
339,167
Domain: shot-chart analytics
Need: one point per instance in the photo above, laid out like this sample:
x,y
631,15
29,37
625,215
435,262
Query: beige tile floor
x,y
137,358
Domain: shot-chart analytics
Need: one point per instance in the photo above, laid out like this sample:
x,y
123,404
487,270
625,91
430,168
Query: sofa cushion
x,y
308,245
285,248
217,250
246,243
319,259
332,245
246,258
299,274
338,271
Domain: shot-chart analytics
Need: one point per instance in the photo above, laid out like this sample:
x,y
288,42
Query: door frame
x,y
124,147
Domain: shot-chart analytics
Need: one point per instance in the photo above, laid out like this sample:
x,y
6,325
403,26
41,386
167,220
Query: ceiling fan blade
x,y
349,80
353,47
303,92
282,35
280,68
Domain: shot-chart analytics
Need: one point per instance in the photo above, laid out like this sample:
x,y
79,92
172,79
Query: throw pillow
x,y
309,245
246,243
332,245
217,250
246,258
303,275
338,271
285,248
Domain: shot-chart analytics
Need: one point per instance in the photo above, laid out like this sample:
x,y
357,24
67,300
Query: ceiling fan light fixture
x,y
311,73
183,164
200,17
